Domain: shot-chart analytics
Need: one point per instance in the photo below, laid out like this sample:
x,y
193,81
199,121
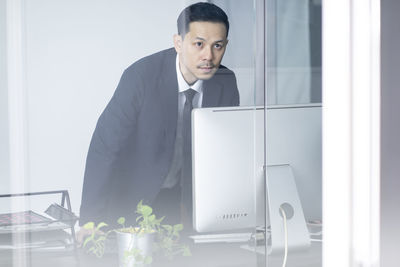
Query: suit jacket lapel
x,y
169,91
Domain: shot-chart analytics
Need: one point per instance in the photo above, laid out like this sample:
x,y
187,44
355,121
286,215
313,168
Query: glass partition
x,y
293,135
87,122
92,123
293,52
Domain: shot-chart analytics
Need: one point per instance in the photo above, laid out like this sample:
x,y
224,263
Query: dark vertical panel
x,y
390,133
315,10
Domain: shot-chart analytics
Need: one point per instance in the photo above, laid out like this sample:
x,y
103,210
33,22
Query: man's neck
x,y
188,77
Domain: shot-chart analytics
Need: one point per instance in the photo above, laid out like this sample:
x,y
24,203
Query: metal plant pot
x,y
128,241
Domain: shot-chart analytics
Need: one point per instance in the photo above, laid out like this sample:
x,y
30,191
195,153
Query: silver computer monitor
x,y
229,159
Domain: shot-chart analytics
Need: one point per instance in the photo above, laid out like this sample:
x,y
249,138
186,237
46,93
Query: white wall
x,y
4,146
75,54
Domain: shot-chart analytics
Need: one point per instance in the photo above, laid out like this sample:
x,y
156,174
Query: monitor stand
x,y
282,193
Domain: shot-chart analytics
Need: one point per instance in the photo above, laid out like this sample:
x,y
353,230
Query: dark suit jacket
x,y
132,146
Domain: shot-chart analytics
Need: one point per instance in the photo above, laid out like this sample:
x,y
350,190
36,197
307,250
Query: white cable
x,y
286,236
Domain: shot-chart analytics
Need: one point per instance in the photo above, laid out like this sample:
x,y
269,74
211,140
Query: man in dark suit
x,y
139,150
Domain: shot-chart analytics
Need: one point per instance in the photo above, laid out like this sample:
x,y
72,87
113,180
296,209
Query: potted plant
x,y
137,244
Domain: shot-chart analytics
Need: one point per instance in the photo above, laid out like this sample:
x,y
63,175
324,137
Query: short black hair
x,y
201,11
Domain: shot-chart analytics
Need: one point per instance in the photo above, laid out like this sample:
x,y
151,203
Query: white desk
x,y
210,255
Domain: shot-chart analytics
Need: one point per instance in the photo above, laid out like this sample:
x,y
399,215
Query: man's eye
x,y
218,46
198,44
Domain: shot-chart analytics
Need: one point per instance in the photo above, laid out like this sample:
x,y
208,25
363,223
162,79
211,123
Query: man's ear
x,y
178,43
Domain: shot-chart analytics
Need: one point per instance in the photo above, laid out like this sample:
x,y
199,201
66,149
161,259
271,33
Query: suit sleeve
x,y
115,125
235,97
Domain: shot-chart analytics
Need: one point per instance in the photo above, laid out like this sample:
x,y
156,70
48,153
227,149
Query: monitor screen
x,y
229,162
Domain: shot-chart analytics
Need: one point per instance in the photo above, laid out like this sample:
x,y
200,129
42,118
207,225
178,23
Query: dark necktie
x,y
186,180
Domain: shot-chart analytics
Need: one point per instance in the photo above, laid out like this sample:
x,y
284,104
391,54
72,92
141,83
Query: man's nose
x,y
208,53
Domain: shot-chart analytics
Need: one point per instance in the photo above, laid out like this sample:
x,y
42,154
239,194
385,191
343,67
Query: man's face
x,y
201,51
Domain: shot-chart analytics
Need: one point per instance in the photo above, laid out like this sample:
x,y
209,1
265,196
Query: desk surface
x,y
210,255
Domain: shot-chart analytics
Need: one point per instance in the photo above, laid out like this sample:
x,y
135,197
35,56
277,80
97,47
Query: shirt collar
x,y
182,84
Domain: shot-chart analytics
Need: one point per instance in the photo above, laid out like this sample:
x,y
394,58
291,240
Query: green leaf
x,y
161,219
100,225
168,228
168,242
87,240
127,253
136,251
152,218
148,260
138,257
146,210
89,225
121,221
186,252
178,227
139,206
